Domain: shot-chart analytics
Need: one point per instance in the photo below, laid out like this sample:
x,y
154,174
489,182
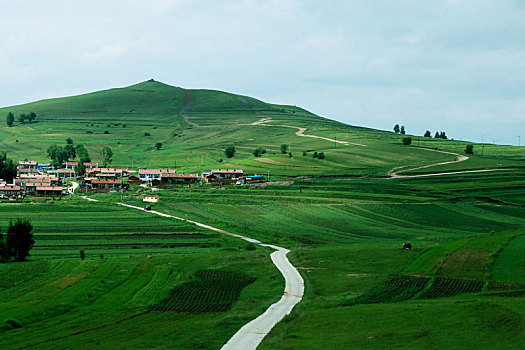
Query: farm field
x,y
462,285
64,301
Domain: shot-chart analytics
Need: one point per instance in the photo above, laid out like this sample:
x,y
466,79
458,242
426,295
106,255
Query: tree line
x,y
22,118
8,168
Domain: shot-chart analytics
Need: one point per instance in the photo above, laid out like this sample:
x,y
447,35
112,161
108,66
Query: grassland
x,y
344,219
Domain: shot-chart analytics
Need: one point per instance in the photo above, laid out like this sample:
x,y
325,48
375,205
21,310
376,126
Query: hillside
x,y
195,126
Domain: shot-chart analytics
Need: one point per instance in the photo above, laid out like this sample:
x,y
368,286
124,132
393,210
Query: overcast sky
x,y
452,65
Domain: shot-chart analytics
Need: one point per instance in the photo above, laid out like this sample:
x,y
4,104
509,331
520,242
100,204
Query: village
x,y
43,180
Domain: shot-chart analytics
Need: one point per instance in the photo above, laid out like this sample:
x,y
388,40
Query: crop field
x,y
397,288
446,287
215,291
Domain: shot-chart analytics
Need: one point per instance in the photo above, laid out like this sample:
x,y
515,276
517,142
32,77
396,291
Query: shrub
x,y
89,132
158,145
284,149
469,149
82,254
147,134
320,155
407,141
13,323
259,151
315,155
250,247
106,132
229,151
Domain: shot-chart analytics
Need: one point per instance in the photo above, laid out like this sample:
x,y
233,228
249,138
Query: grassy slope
x,y
216,120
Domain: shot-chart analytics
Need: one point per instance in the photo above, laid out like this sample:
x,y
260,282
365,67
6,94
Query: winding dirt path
x,y
394,173
251,334
301,131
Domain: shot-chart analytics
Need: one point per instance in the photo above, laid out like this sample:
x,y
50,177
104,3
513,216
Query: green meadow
x,y
461,286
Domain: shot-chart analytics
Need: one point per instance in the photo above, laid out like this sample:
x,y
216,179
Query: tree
x,y
229,152
284,149
259,151
436,136
22,118
396,128
81,169
443,135
427,134
402,130
69,141
82,153
407,141
158,145
320,155
290,154
469,149
7,167
19,239
10,119
71,152
107,154
57,154
315,155
31,116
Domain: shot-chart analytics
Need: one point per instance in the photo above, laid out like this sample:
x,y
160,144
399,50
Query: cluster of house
x,y
40,179
31,180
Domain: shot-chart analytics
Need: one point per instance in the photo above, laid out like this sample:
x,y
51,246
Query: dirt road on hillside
x,y
301,131
394,173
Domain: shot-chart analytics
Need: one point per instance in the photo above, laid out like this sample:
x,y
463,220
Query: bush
x,y
229,151
284,149
469,149
158,145
147,134
82,254
320,155
407,141
315,155
106,132
250,247
89,132
259,151
13,323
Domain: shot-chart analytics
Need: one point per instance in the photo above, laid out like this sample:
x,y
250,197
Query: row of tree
x,y
399,129
438,135
22,118
18,241
59,155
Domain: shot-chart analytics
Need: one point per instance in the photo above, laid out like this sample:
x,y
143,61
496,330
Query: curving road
x,y
394,173
251,334
301,131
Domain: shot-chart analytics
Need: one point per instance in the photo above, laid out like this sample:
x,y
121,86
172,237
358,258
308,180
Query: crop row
x,y
216,291
14,274
446,287
397,288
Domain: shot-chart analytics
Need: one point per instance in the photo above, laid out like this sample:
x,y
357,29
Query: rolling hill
x,y
195,126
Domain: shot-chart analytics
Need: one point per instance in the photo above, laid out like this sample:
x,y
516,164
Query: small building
x,y
10,191
104,184
88,165
223,176
151,198
180,178
30,171
134,180
150,174
25,164
65,173
50,190
42,167
71,165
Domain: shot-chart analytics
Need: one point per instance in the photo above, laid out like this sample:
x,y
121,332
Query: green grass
x,y
344,220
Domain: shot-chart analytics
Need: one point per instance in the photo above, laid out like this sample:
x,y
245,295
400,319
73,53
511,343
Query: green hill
x,y
195,126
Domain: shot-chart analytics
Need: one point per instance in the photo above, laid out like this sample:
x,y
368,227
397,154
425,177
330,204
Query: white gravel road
x,y
251,334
